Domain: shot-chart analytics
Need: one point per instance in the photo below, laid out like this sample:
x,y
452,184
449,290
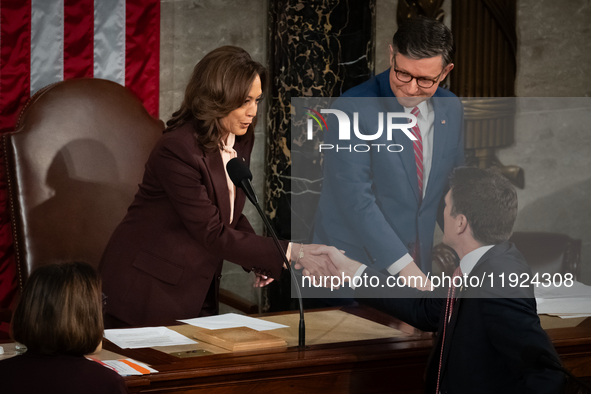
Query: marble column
x,y
316,49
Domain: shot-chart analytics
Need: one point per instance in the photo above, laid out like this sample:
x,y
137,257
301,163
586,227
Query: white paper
x,y
564,301
232,320
563,307
577,289
134,338
124,369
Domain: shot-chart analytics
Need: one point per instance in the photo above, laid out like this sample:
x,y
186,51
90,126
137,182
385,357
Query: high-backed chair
x,y
544,252
73,163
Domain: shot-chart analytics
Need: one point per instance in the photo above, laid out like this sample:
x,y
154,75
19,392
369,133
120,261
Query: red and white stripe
x,y
47,41
418,148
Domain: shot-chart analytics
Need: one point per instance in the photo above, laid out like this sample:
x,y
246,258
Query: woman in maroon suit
x,y
59,318
164,260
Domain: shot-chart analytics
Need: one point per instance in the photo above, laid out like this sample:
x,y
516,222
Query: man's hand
x,y
343,264
313,262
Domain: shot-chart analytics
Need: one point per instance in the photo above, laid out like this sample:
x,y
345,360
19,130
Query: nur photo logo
x,y
388,121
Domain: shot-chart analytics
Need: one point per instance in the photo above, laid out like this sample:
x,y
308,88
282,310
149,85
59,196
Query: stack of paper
x,y
133,338
232,320
564,301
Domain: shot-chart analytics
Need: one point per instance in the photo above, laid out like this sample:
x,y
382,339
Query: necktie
x,y
449,306
418,148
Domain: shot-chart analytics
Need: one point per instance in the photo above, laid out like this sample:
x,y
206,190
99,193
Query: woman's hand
x,y
261,280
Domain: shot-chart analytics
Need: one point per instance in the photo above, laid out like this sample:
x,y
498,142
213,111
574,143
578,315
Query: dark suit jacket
x,y
59,374
370,202
489,329
164,260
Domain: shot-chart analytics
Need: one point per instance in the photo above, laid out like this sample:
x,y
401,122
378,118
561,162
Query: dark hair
x,y
220,83
421,38
60,310
487,199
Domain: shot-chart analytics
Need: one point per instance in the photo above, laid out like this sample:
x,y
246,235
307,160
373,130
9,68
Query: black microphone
x,y
241,176
540,358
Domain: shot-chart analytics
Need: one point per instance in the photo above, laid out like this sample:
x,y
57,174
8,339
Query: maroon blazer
x,y
164,260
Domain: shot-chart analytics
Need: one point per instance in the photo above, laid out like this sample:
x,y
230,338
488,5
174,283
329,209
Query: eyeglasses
x,y
424,83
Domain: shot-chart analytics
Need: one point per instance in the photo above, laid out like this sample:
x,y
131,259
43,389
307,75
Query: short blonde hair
x,y
60,310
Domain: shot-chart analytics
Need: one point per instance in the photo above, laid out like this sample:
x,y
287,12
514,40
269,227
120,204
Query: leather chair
x,y
544,252
73,164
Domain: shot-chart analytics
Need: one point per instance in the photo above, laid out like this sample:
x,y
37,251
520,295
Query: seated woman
x,y
59,319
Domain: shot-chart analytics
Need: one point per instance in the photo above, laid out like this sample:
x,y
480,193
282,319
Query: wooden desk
x,y
366,366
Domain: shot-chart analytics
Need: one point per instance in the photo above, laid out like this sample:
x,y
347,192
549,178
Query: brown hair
x,y
422,37
487,199
220,83
60,310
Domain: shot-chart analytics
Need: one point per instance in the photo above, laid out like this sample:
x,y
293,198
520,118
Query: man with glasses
x,y
381,206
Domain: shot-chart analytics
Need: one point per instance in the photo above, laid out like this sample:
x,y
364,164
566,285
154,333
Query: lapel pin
x,y
443,121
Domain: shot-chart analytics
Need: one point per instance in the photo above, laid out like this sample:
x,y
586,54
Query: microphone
x,y
241,176
540,358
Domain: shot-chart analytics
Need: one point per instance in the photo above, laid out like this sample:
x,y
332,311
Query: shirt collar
x,y
424,108
470,260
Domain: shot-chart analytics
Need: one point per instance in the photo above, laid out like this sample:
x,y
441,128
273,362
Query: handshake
x,y
323,263
317,261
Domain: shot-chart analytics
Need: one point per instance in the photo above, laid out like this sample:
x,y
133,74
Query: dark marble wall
x,y
316,49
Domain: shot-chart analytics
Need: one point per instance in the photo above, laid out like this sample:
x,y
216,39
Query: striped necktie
x,y
449,306
418,147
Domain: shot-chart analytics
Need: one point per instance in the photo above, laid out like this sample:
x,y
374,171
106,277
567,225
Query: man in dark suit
x,y
487,328
381,205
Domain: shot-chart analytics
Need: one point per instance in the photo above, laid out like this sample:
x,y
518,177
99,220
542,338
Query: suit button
x,y
219,278
411,246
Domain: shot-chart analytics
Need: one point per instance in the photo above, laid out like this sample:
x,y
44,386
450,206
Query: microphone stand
x,y
240,175
302,326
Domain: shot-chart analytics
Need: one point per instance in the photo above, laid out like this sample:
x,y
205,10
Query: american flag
x,y
47,41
